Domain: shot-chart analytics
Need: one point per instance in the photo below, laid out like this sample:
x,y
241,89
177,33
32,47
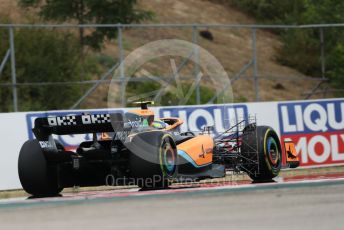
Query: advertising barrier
x,y
317,129
315,126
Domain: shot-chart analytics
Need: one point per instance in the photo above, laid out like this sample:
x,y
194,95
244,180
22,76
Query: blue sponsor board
x,y
316,128
195,118
311,117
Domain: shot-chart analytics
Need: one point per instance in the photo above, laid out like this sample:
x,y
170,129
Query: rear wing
x,y
79,124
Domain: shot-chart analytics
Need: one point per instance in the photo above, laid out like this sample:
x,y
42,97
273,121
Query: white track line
x,y
134,193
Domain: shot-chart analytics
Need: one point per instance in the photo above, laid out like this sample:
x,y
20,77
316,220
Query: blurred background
x,y
52,66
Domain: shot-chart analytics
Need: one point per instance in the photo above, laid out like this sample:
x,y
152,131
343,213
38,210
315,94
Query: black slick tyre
x,y
264,141
153,159
37,177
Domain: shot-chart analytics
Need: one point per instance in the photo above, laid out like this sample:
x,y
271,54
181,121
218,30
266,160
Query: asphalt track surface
x,y
291,203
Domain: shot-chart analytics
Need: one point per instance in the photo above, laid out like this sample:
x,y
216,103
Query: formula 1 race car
x,y
135,148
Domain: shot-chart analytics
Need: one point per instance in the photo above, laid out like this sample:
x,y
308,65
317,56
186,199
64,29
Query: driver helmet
x,y
158,124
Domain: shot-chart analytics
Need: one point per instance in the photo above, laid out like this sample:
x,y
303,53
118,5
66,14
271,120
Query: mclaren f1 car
x,y
136,148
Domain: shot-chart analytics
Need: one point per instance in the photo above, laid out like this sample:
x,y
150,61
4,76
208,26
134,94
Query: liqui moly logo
x,y
312,117
221,117
317,128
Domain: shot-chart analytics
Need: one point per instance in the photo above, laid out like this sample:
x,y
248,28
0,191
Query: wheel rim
x,y
272,150
169,160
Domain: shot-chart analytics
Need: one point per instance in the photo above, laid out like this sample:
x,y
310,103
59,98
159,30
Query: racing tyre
x,y
37,177
153,159
261,140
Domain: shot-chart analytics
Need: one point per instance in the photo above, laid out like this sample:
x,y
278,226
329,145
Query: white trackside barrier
x,y
316,127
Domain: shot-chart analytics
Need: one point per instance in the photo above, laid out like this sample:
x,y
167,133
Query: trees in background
x,y
43,56
90,12
301,48
54,55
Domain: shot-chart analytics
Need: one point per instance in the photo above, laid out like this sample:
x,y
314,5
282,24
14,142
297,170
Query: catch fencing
x,y
251,69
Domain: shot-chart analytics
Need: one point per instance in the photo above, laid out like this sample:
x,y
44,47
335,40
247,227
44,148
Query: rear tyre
x,y
37,177
264,141
153,159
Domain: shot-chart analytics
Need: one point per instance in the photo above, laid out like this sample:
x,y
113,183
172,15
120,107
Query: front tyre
x,y
263,143
37,177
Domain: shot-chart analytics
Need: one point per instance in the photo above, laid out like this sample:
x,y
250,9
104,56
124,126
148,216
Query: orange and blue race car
x,y
135,148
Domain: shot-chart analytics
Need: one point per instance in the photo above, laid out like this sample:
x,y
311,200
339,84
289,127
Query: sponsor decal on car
x,y
317,129
45,144
70,142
